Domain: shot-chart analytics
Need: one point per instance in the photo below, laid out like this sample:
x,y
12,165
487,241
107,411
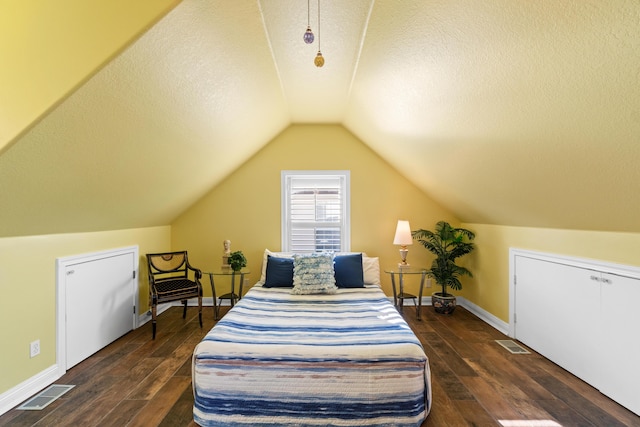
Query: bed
x,y
282,356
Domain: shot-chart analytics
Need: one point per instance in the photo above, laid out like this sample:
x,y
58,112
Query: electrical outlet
x,y
34,348
428,282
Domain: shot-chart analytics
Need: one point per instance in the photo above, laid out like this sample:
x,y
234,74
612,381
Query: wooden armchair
x,y
169,280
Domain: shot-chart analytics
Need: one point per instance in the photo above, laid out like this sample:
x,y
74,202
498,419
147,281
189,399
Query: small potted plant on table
x,y
237,260
447,244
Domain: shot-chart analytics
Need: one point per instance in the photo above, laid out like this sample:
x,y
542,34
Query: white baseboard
x,y
484,315
409,302
206,302
18,394
146,316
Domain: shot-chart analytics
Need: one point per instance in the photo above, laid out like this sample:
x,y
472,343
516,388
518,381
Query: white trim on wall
x,y
18,394
497,323
484,315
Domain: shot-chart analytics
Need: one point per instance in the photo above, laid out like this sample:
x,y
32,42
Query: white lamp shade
x,y
403,234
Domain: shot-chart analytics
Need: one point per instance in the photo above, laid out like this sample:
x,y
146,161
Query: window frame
x,y
345,202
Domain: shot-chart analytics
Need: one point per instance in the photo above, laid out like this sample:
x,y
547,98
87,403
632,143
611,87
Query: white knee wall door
x,y
98,294
583,315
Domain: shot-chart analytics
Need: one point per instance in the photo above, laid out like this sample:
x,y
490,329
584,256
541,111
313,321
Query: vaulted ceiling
x,y
506,112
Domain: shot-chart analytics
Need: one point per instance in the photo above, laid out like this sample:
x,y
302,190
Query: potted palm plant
x,y
447,244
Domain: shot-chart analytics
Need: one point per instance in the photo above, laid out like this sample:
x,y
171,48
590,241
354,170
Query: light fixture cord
x,y
308,14
319,26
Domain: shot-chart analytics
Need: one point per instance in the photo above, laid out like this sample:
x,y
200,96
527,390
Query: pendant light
x,y
319,60
308,35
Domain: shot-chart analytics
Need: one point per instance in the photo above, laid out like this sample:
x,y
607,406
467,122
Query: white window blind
x,y
315,211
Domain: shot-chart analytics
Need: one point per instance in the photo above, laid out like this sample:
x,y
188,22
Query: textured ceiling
x,y
512,113
515,113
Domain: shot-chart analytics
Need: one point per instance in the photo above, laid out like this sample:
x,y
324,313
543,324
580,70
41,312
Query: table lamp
x,y
403,238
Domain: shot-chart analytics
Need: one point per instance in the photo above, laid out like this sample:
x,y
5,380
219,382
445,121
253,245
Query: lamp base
x,y
402,266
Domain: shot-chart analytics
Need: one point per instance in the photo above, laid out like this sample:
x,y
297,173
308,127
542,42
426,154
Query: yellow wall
x,y
490,262
245,208
50,47
28,280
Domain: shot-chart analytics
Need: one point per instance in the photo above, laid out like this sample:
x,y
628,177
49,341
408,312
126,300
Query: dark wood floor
x,y
139,382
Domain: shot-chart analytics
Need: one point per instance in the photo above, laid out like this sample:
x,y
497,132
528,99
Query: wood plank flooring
x,y
136,381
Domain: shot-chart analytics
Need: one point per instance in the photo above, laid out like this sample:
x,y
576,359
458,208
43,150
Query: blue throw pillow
x,y
279,273
348,271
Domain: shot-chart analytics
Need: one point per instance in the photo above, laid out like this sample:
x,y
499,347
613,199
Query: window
x,y
315,211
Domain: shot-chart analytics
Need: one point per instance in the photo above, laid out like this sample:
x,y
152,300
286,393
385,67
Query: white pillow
x,y
267,252
371,270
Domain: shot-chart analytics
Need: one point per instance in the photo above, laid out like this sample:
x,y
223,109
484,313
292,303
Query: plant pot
x,y
443,304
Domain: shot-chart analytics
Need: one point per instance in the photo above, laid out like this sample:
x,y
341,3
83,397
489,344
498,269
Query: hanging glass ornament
x,y
308,36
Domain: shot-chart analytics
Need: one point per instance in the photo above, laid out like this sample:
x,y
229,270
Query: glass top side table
x,y
399,295
232,296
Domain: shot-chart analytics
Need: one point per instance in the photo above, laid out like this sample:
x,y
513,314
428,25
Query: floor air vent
x,y
45,397
513,347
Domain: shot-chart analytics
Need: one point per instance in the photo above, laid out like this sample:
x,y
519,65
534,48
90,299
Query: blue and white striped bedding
x,y
278,359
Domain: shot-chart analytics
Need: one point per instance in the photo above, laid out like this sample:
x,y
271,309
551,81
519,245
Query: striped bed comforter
x,y
278,359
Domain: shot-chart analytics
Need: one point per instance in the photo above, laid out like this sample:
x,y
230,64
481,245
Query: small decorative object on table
x,y
237,260
225,255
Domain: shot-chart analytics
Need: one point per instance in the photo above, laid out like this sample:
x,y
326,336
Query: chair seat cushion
x,y
172,289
